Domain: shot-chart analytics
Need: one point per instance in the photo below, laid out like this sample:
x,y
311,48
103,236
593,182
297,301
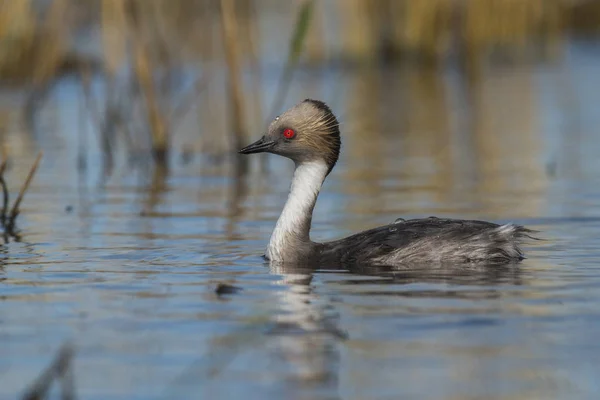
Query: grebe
x,y
309,135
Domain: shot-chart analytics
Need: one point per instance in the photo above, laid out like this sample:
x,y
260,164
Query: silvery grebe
x,y
309,135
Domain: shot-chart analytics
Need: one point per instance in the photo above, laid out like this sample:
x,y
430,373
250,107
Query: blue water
x,y
124,267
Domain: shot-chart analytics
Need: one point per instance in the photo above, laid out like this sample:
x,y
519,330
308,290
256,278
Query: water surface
x,y
125,266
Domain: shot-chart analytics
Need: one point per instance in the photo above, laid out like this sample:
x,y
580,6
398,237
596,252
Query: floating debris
x,y
225,288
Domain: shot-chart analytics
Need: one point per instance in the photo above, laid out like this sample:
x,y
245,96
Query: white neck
x,y
291,234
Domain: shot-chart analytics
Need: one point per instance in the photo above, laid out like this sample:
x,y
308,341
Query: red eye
x,y
289,133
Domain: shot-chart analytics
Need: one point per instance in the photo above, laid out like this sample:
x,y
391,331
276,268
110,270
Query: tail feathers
x,y
504,244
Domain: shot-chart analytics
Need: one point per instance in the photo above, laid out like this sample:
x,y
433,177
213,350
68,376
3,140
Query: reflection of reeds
x,y
123,25
156,120
147,44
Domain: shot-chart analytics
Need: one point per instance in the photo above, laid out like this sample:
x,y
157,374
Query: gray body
x,y
308,133
420,241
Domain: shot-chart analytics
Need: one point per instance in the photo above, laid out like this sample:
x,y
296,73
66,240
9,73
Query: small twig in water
x,y
14,213
5,197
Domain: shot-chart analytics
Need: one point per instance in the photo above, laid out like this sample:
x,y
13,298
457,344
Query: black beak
x,y
261,145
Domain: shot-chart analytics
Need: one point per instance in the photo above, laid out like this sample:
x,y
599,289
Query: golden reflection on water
x,y
506,130
443,141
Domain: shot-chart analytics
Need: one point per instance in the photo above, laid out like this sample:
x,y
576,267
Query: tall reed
x,y
231,40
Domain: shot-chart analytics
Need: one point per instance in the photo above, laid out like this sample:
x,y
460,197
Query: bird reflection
x,y
307,326
307,334
475,274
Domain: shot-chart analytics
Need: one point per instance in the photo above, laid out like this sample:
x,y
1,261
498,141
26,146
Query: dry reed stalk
x,y
15,209
316,45
358,30
50,51
5,194
509,23
3,142
114,34
145,78
123,25
232,54
158,129
17,38
33,50
554,28
206,50
251,30
3,166
296,47
426,27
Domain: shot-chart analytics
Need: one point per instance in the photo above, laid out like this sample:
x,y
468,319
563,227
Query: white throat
x,y
291,234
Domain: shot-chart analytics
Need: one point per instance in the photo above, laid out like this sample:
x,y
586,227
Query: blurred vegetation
x,y
144,64
60,371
